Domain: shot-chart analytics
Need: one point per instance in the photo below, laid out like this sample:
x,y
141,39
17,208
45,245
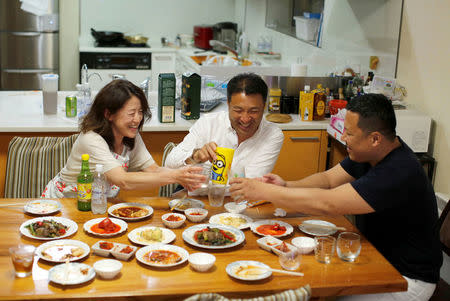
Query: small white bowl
x,y
107,268
196,218
116,251
173,224
234,207
304,244
201,262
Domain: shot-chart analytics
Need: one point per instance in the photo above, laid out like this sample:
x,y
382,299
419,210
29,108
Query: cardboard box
x,y
190,95
166,97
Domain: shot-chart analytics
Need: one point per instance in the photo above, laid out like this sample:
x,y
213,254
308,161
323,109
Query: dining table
x,y
369,273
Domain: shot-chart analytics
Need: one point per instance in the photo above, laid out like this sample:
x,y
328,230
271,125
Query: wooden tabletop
x,y
371,273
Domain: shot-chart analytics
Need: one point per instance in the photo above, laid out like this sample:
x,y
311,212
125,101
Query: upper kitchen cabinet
x,y
348,32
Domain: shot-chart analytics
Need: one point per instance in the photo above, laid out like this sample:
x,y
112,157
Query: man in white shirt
x,y
256,142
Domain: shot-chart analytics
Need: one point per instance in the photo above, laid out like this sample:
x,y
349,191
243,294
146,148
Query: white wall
x,y
153,18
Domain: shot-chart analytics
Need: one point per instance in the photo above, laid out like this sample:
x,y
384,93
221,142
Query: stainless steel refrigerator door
x,y
19,79
29,50
12,18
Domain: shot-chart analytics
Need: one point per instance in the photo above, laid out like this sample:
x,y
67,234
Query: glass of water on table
x,y
348,246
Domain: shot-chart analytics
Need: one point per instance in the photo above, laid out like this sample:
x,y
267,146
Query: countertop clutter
x,y
26,115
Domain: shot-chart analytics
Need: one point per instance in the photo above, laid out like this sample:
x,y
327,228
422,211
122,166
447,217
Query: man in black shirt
x,y
383,184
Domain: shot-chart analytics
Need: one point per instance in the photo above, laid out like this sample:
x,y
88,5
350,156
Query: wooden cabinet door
x,y
303,153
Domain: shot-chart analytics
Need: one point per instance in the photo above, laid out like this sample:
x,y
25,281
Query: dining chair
x,y
167,190
302,293
32,162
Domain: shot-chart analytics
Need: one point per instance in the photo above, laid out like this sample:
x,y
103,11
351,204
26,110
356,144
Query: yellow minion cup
x,y
221,166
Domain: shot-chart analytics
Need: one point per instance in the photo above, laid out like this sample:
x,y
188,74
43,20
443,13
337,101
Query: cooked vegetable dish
x,y
214,237
47,228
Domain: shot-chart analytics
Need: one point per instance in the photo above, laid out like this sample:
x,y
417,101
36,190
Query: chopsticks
x,y
256,203
12,205
180,201
284,272
311,225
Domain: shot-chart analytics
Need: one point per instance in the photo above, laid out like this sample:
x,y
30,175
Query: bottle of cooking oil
x,y
84,185
274,100
320,100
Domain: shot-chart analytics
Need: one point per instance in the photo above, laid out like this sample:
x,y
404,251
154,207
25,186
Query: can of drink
x,y
71,106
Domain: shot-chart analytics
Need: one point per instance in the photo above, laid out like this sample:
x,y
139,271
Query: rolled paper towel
x,y
299,70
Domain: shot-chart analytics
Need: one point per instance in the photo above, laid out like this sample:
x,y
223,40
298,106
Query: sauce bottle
x,y
320,100
84,185
274,100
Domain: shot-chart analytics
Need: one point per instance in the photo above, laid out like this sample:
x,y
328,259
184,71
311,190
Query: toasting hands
x,y
206,153
189,177
247,189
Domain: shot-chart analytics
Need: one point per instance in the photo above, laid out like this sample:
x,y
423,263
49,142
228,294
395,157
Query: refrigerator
x,y
29,44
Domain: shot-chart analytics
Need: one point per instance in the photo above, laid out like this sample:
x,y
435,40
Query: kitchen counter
x,y
21,111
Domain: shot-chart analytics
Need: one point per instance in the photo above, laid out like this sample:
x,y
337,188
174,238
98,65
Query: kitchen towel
x,y
36,7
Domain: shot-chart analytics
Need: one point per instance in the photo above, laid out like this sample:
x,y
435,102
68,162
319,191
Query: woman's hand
x,y
247,189
189,177
273,179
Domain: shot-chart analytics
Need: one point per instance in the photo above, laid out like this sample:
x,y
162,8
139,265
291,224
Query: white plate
x,y
188,235
232,267
143,206
180,251
256,224
216,219
87,226
58,274
65,245
167,236
42,206
193,203
72,227
316,231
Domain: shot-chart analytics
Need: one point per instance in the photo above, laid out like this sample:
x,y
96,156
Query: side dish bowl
x,y
201,262
107,268
304,244
178,220
196,215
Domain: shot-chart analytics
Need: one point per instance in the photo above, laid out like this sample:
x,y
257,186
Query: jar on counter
x,y
274,100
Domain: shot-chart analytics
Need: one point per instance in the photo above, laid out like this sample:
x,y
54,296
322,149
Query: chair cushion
x,y
32,162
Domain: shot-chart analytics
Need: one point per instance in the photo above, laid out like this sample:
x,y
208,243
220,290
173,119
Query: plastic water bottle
x,y
98,202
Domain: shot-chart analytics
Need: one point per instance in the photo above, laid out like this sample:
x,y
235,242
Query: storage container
x,y
306,28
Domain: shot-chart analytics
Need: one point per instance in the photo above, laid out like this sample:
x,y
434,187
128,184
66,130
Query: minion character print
x,y
218,168
221,166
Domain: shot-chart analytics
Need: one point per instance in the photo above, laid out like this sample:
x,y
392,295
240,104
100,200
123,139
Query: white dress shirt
x,y
254,157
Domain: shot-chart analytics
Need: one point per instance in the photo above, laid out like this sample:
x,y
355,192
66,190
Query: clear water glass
x,y
22,257
216,194
290,260
348,246
324,248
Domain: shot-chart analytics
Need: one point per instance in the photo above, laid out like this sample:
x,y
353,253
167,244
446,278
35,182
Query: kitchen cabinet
x,y
303,153
162,62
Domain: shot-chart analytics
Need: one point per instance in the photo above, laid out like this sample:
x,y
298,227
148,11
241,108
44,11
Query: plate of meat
x,y
162,255
105,226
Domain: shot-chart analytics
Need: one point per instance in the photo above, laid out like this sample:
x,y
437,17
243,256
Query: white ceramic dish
x,y
254,226
58,250
167,236
140,254
316,231
116,251
42,206
234,207
304,244
181,205
201,262
70,273
102,252
278,252
121,205
233,268
226,218
72,227
188,235
122,224
173,224
107,268
266,242
195,218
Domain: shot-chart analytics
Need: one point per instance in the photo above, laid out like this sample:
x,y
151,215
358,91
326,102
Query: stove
x,y
120,43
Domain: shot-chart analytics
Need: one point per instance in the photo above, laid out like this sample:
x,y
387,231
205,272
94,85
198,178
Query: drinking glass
x,y
348,246
324,248
206,171
216,193
290,260
22,258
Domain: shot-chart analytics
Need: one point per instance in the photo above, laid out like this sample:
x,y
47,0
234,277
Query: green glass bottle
x,y
84,185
